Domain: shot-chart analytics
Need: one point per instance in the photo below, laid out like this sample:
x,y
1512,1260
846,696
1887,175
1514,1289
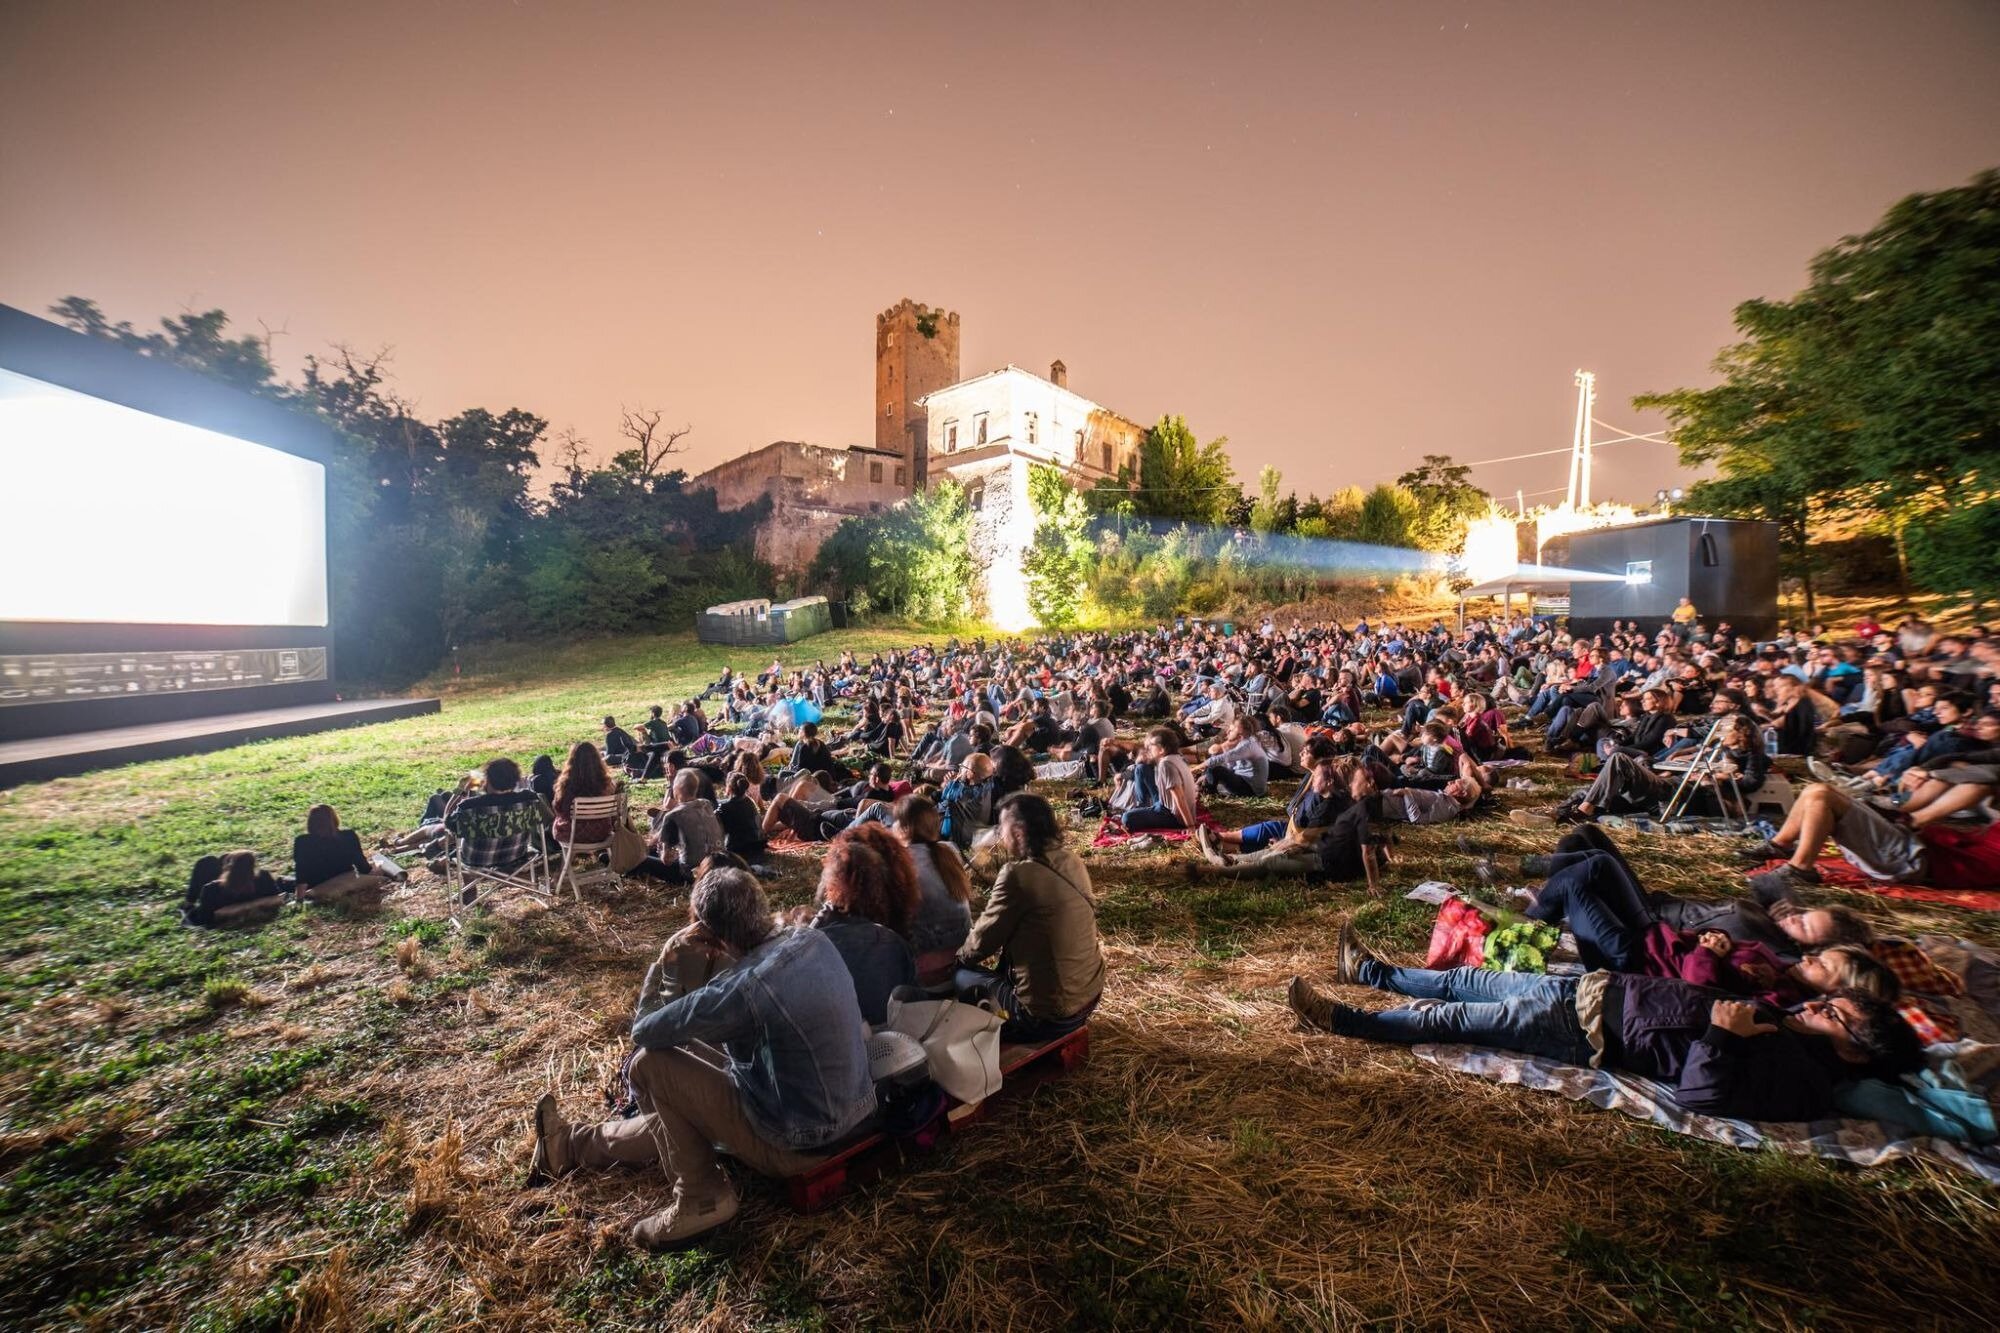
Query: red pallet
x,y
869,1159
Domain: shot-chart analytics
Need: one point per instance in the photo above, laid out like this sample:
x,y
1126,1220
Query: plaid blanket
x,y
1863,1142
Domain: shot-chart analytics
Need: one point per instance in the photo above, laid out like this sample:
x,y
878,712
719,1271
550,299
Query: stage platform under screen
x,y
46,757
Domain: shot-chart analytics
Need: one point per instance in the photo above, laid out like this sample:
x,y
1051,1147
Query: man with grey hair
x,y
685,834
768,1060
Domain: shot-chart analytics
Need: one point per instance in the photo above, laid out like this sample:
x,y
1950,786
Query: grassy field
x,y
323,1123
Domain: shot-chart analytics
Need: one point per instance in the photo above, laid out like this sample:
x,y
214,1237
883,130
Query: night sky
x,y
1342,234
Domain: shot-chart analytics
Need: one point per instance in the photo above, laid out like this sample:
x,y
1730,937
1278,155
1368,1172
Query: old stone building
x,y
812,488
986,432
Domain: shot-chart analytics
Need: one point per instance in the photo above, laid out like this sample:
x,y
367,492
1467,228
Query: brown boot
x,y
1352,954
553,1157
1313,1009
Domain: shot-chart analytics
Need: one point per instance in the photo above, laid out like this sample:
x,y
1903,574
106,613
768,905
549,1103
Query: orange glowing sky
x,y
1342,234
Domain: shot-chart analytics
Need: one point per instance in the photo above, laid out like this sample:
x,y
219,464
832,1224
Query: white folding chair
x,y
471,885
582,810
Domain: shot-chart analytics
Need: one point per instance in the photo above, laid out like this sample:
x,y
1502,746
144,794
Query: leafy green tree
x,y
1876,389
1265,515
1959,548
1057,561
1183,480
1388,517
913,561
1446,502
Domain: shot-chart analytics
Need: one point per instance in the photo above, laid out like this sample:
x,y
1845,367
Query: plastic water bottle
x,y
1770,742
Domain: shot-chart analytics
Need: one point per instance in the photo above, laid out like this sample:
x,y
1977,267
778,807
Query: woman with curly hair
x,y
868,895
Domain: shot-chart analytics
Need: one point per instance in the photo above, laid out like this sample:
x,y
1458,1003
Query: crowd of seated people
x,y
750,1029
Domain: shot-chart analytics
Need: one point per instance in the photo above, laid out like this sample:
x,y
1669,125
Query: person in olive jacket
x,y
1040,921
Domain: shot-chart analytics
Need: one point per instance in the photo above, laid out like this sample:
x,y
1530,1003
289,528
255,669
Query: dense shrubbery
x,y
434,538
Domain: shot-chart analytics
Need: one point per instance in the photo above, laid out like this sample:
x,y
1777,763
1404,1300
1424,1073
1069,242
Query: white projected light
x,y
114,515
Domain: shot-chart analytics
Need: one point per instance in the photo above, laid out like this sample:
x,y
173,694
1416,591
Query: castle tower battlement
x,y
916,352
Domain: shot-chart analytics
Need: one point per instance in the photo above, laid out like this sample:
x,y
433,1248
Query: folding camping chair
x,y
472,881
1706,768
588,808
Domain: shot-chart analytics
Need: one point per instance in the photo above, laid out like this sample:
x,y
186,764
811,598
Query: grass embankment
x,y
324,1122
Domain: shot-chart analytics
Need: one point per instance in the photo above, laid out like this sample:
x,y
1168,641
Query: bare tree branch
x,y
650,447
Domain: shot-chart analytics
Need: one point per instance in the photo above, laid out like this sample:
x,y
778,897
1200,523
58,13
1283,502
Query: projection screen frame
x,y
101,369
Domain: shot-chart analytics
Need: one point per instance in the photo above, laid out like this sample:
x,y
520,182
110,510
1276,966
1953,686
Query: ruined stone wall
x,y
812,489
916,352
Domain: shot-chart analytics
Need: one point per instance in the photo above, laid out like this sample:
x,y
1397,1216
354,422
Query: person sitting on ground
x,y
684,834
867,896
329,865
1721,1056
1163,795
230,890
1627,784
656,739
1911,849
542,778
1791,714
1291,846
742,822
813,755
584,776
498,824
688,724
943,917
1238,763
768,1060
1040,923
618,744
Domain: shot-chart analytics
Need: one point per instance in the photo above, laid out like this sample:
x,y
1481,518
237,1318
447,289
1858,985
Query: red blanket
x,y
1113,834
1837,872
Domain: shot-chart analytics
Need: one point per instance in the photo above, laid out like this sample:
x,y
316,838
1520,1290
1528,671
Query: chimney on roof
x,y
1059,374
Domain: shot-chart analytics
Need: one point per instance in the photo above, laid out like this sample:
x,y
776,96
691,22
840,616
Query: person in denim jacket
x,y
768,1059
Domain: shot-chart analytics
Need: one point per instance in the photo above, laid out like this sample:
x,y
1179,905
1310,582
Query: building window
x,y
950,436
975,499
892,374
1031,428
888,409
900,475
1107,458
980,422
874,472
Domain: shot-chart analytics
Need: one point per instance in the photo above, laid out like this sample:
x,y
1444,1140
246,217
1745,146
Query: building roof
x,y
1011,369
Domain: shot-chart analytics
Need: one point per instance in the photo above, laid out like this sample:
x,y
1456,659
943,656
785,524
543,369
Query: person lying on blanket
x,y
768,1060
1721,1055
1883,845
1617,929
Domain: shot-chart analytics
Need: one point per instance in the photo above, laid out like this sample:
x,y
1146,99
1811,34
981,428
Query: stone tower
x,y
916,352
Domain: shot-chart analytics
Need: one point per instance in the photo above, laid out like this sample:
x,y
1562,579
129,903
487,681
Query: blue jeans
x,y
1605,907
1545,701
1261,835
1517,1011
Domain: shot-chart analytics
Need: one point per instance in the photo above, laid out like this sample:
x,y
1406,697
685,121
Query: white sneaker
x,y
684,1219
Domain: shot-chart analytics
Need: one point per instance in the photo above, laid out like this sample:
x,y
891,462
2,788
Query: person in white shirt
x,y
1164,792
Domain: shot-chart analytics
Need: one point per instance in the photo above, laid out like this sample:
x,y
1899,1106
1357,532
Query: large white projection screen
x,y
109,514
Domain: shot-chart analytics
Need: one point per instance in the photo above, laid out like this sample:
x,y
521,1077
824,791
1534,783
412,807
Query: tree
x,y
913,561
1264,514
1446,502
1183,480
1388,517
1057,560
1877,388
650,446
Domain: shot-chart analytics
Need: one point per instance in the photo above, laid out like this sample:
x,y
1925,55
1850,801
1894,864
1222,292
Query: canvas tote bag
x,y
961,1042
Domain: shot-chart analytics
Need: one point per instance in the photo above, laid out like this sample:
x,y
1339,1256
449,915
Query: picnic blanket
x,y
1840,873
1863,1142
1113,834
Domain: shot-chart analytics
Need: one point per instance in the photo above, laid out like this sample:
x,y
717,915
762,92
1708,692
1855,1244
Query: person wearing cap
x,y
768,1059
